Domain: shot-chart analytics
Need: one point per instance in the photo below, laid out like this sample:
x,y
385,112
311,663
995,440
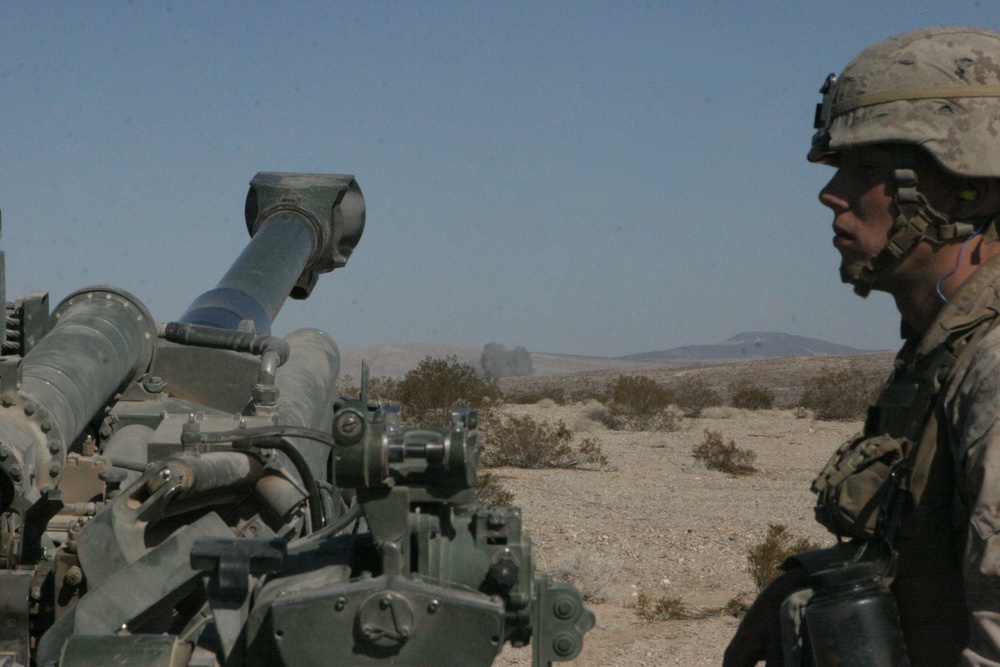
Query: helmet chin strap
x,y
917,220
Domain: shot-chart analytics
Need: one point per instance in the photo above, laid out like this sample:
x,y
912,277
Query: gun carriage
x,y
196,493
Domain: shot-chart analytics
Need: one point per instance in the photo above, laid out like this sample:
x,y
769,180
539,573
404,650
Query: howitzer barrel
x,y
301,225
102,339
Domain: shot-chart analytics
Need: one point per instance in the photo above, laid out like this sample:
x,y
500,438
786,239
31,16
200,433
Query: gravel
x,y
656,521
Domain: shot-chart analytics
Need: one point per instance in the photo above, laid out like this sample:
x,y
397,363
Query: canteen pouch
x,y
852,486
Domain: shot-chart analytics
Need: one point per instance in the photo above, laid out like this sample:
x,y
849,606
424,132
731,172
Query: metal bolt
x,y
563,608
15,472
433,606
165,474
340,604
54,470
55,446
563,645
74,576
4,452
29,409
46,426
367,630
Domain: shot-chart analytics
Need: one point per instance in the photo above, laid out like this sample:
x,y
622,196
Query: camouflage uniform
x,y
938,418
918,492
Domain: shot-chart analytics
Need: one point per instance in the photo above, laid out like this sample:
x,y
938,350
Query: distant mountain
x,y
750,345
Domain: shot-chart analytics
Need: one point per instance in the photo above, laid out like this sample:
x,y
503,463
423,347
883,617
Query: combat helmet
x,y
934,89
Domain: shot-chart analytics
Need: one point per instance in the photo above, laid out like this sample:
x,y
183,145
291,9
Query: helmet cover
x,y
934,88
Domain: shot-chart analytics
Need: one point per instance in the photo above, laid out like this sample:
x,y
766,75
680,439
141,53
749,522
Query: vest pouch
x,y
852,485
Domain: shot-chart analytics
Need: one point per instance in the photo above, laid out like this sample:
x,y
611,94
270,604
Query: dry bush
x,y
638,403
427,393
536,395
840,394
592,573
381,389
719,412
490,491
737,606
673,608
347,385
666,608
524,442
727,458
587,391
694,395
764,558
595,411
749,395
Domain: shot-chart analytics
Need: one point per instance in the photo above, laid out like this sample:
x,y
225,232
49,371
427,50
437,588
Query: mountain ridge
x,y
394,360
751,345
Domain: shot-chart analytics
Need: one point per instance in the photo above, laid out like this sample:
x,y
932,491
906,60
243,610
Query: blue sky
x,y
586,178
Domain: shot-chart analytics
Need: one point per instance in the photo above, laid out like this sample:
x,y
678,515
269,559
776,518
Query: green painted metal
x,y
196,495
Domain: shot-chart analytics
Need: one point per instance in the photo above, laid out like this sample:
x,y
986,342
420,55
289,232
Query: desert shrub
x,y
694,395
535,395
524,442
347,385
719,412
595,411
638,403
727,458
428,392
749,395
381,389
673,608
588,390
764,558
666,608
592,573
737,606
840,394
490,491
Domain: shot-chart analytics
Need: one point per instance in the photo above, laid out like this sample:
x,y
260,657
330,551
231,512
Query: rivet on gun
x,y
563,645
29,409
563,608
433,606
340,604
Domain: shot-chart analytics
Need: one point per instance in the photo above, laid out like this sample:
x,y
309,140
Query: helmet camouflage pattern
x,y
934,88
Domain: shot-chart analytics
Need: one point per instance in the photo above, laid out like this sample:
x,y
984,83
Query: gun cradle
x,y
197,493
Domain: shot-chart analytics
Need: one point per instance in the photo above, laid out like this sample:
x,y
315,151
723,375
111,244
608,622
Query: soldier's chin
x,y
858,278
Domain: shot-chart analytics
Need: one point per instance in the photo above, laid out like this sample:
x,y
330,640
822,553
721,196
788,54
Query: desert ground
x,y
656,521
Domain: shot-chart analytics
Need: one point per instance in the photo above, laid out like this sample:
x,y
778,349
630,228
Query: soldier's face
x,y
860,195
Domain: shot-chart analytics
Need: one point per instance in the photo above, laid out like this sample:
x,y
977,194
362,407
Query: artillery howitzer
x,y
196,493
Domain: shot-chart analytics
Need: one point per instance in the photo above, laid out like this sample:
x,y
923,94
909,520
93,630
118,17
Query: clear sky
x,y
585,178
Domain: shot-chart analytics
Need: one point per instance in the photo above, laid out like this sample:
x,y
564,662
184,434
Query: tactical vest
x,y
893,486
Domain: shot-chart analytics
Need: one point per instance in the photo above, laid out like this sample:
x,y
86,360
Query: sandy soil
x,y
659,522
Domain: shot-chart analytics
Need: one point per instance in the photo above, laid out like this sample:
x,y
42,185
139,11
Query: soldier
x,y
912,126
